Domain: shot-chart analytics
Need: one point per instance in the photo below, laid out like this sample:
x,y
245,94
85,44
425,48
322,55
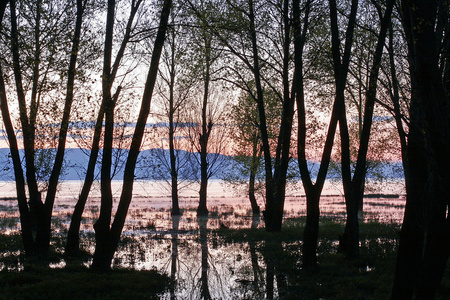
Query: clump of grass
x,y
150,225
8,222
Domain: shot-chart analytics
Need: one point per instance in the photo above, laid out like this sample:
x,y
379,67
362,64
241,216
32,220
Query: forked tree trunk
x,y
102,225
282,156
73,236
37,216
104,258
340,74
354,191
25,217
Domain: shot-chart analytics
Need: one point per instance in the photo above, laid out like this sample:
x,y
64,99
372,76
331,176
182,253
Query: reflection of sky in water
x,y
186,249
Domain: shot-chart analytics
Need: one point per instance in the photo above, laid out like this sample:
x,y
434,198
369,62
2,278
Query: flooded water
x,y
201,263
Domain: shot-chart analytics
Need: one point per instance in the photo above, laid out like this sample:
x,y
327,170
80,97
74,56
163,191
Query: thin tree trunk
x,y
102,225
202,209
73,235
173,158
312,191
40,213
282,156
173,162
251,183
25,217
356,188
396,102
36,205
270,201
59,159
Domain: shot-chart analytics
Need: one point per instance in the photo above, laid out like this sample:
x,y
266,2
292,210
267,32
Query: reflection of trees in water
x,y
257,271
202,265
279,265
211,284
204,290
193,273
174,257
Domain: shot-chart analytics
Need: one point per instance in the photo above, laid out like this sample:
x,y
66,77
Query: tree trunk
x,y
340,73
104,259
311,231
35,202
424,238
102,225
270,202
25,217
173,158
40,213
204,135
73,236
355,190
251,183
282,155
59,159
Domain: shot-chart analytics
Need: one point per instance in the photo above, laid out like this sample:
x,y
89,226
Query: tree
x,y
312,190
247,163
424,237
245,31
341,65
109,235
208,110
108,103
36,216
174,99
354,186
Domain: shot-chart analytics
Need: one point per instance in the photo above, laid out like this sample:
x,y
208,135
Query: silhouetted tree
x,y
354,186
108,236
36,216
110,73
424,237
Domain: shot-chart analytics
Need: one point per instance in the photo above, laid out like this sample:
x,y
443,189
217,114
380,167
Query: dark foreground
x,y
79,283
